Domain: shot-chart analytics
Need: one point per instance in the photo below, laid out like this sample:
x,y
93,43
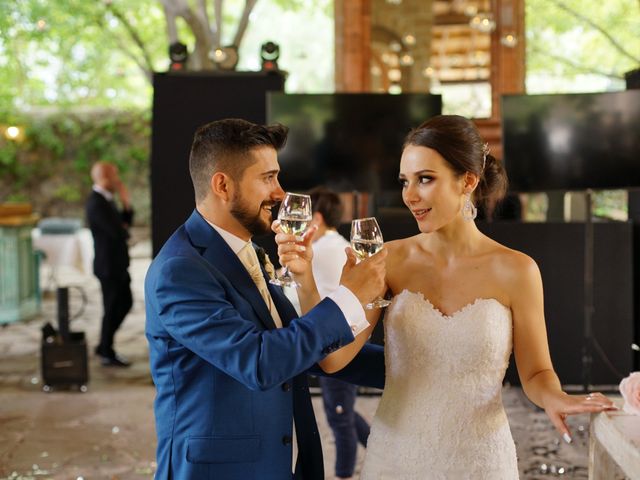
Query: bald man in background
x,y
110,229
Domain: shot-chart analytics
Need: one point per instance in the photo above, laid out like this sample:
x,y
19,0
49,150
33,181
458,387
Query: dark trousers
x,y
117,301
347,425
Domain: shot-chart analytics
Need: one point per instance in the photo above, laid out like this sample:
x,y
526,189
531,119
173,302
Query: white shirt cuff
x,y
351,309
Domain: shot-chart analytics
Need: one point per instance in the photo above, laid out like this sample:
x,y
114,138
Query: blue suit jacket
x,y
228,381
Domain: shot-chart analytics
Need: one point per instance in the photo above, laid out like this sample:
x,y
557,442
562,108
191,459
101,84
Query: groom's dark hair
x,y
225,146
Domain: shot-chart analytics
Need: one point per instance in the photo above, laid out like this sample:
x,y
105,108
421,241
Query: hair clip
x,y
485,151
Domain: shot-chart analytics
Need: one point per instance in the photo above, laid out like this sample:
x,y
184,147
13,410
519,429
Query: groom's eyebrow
x,y
270,172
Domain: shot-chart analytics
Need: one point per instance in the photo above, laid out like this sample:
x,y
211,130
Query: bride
x,y
461,303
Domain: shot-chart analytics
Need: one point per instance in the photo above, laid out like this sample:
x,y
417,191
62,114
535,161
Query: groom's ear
x,y
221,186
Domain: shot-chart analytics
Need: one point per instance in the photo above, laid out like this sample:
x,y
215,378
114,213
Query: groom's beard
x,y
251,220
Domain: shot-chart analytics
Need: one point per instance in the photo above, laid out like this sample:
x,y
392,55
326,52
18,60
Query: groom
x,y
228,355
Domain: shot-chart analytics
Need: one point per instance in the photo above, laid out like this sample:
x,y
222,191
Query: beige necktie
x,y
249,259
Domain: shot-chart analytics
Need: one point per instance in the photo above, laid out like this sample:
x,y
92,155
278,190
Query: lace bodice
x,y
441,413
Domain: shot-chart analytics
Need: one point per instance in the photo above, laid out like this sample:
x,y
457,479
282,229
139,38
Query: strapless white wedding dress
x,y
441,415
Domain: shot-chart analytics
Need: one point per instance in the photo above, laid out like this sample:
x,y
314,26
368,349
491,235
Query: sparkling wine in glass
x,y
294,215
294,225
366,240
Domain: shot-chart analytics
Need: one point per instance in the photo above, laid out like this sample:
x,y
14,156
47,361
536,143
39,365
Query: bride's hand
x,y
294,252
559,406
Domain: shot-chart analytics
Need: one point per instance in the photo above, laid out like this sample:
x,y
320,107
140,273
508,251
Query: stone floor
x,y
108,433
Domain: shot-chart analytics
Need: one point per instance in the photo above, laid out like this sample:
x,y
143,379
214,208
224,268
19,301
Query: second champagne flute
x,y
294,215
366,240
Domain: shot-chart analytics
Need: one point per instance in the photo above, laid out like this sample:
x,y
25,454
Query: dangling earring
x,y
469,210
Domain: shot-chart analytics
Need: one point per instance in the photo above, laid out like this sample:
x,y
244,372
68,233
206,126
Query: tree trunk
x,y
199,59
217,9
208,37
244,21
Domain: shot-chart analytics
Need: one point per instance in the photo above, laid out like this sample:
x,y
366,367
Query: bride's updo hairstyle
x,y
458,141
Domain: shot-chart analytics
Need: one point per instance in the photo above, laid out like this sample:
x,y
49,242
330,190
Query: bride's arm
x,y
298,255
531,349
339,359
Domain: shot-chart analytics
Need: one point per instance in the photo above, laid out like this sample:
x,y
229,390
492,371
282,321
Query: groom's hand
x,y
367,278
294,252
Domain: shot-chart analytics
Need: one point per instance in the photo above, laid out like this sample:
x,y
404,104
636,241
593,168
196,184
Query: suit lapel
x,y
217,252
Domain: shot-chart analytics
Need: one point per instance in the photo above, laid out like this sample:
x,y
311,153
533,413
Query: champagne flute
x,y
366,240
294,216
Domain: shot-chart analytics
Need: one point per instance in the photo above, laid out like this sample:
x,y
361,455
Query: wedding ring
x,y
589,397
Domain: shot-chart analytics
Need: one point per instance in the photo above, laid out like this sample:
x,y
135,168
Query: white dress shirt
x,y
328,259
104,192
347,302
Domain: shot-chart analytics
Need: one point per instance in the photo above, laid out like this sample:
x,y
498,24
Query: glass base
x,y
378,303
284,282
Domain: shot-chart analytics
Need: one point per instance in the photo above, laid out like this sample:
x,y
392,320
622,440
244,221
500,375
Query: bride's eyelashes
x,y
422,180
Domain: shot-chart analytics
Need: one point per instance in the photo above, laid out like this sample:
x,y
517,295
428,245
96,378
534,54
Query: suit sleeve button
x,y
286,440
286,386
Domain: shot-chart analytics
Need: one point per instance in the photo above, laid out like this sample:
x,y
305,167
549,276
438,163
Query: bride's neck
x,y
459,238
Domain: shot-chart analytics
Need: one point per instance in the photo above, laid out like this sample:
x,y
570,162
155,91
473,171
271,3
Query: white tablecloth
x,y
66,250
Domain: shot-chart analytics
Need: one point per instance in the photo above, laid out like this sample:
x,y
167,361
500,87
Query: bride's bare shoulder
x,y
400,251
401,246
511,264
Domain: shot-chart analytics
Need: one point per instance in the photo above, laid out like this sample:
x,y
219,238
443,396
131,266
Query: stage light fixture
x,y
178,54
269,53
226,58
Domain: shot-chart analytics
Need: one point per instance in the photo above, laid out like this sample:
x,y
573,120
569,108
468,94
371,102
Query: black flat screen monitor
x,y
346,141
572,141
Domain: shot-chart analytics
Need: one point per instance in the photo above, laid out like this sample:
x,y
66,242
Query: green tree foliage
x,y
103,52
49,165
579,39
304,29
74,75
74,52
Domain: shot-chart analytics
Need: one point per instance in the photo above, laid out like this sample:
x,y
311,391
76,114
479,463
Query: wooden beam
x,y
507,62
450,19
352,45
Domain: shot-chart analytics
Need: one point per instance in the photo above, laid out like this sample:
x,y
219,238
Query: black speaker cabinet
x,y
65,364
181,103
632,79
559,248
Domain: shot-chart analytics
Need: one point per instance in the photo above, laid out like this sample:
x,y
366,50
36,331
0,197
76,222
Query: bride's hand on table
x,y
559,406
